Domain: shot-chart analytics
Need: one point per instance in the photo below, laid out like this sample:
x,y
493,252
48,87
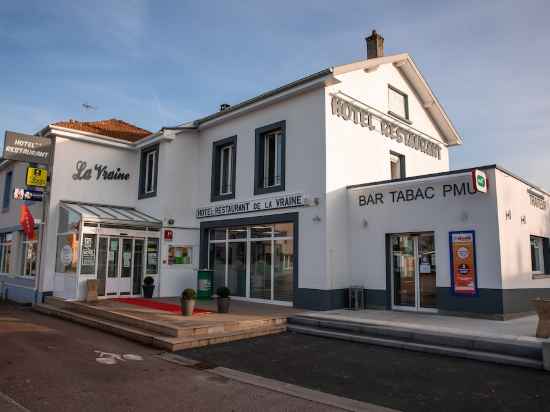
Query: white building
x,y
273,195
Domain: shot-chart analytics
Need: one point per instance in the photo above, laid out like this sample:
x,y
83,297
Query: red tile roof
x,y
114,128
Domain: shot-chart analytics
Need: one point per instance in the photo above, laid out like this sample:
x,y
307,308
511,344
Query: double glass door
x,y
120,265
413,271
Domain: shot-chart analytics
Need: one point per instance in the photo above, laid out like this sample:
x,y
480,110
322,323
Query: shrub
x,y
148,281
189,294
223,292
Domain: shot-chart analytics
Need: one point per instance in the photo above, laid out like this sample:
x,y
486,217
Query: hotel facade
x,y
338,179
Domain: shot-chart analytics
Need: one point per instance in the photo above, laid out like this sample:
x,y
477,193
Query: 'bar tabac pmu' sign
x,y
27,148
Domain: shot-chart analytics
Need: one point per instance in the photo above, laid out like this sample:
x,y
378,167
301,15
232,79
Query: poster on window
x,y
463,263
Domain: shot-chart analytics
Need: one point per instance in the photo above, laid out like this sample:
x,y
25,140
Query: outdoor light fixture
x,y
365,223
317,219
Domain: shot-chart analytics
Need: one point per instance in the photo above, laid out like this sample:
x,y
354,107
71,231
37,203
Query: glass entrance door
x,y
120,266
413,271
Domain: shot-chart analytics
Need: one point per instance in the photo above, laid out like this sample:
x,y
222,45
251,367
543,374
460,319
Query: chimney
x,y
375,45
224,106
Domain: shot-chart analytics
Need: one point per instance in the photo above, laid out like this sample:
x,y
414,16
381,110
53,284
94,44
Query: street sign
x,y
479,180
27,148
37,176
28,194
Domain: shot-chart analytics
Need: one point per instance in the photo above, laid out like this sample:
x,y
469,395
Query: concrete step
x,y
455,342
418,347
169,343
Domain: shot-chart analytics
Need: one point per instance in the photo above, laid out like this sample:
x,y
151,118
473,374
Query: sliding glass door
x,y
255,261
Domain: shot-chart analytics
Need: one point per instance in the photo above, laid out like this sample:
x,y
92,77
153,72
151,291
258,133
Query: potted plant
x,y
148,287
223,299
188,298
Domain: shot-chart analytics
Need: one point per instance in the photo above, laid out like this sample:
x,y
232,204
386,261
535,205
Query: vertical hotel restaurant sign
x,y
27,148
462,246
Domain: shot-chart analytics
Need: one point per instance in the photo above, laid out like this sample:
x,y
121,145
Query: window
x,y
68,233
397,166
224,157
398,103
270,158
7,191
537,254
5,252
87,254
30,255
148,172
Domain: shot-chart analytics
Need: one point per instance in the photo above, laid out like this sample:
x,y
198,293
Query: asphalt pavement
x,y
398,379
51,365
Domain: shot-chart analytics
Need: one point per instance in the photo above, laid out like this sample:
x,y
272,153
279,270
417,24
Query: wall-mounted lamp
x,y
365,223
464,216
509,214
317,219
523,220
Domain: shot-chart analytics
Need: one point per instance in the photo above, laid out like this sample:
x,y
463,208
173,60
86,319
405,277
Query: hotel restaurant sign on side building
x,y
256,205
367,118
27,148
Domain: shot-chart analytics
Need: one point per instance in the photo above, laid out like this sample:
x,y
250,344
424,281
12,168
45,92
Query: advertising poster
x,y
463,263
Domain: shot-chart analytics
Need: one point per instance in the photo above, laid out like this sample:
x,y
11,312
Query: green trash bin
x,y
205,284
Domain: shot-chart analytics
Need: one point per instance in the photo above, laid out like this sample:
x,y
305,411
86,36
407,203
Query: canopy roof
x,y
113,215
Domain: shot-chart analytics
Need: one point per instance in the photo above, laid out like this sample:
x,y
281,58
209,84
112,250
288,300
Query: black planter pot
x,y
148,291
223,305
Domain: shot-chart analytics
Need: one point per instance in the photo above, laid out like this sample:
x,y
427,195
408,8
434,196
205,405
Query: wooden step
x,y
101,324
187,342
168,343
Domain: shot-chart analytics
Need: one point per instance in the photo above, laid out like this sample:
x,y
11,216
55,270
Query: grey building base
x,y
321,299
18,289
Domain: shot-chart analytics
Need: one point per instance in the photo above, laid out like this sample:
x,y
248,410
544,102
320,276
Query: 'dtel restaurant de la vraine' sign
x,y
368,118
256,205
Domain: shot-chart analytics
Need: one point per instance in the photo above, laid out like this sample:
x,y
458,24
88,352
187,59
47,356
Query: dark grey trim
x,y
546,254
265,95
402,167
144,151
406,119
259,160
520,300
258,220
489,301
377,299
215,175
388,271
321,299
453,172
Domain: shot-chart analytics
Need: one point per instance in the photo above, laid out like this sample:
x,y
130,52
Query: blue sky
x,y
156,63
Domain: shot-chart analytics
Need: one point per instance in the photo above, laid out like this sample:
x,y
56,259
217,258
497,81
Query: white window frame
x,y
537,243
229,148
150,172
24,246
277,135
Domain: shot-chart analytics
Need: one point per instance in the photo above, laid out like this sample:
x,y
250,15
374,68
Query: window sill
x,y
218,198
540,275
266,190
146,195
398,117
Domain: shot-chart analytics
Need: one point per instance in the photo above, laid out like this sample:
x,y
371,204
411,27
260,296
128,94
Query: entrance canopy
x,y
112,215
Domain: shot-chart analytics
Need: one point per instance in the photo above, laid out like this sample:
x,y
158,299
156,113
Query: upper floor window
x,y
7,190
397,166
537,254
5,252
148,172
270,158
398,103
224,157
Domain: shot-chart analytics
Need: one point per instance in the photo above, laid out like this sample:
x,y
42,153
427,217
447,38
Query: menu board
x,y
87,253
463,263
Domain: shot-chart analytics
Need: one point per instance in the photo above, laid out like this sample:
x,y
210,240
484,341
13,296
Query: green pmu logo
x,y
481,181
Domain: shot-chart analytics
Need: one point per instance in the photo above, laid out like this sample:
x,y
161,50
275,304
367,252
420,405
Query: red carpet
x,y
153,304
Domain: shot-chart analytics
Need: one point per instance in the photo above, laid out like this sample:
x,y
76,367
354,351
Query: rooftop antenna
x,y
87,106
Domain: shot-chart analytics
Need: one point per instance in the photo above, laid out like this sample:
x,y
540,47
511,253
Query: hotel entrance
x,y
413,271
255,258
